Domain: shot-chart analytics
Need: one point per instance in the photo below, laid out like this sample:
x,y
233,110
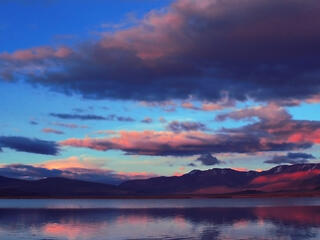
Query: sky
x,y
114,90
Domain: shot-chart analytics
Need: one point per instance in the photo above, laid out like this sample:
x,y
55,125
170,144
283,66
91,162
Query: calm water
x,y
221,219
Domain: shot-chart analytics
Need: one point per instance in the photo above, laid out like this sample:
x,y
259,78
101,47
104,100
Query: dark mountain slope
x,y
280,178
56,187
191,182
291,178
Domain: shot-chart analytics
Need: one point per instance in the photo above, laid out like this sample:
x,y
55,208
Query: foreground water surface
x,y
220,219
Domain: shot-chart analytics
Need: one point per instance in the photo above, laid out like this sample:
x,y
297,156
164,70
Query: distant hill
x,y
56,187
299,178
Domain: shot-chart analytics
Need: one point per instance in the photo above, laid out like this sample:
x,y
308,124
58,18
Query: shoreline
x,y
181,196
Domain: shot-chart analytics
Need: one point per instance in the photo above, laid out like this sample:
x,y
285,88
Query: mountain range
x,y
285,179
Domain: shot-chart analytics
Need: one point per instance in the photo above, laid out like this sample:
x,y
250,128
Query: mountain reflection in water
x,y
287,223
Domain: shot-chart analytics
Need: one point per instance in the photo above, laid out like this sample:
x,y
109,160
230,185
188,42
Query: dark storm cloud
x,y
176,126
291,158
23,144
208,160
249,48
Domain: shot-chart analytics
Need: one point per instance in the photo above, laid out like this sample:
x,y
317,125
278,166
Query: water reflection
x,y
287,223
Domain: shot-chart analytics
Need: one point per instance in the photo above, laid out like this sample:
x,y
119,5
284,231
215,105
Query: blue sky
x,y
152,73
26,24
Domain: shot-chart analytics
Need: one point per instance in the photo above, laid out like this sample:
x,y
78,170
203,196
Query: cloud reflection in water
x,y
190,223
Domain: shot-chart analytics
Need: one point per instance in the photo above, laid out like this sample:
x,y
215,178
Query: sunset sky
x,y
114,90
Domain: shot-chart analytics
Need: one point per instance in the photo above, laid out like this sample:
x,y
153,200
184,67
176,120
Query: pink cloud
x,y
181,171
75,167
69,125
73,162
274,131
37,53
153,38
168,106
224,103
51,130
272,113
145,142
240,169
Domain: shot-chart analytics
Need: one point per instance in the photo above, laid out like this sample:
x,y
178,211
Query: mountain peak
x,y
193,172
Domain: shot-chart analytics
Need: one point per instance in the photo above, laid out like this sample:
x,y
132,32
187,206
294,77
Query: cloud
x,y
250,49
204,107
187,143
176,126
51,130
208,160
168,106
240,169
23,144
74,162
162,120
274,131
147,120
207,106
77,116
271,113
30,172
32,122
81,110
106,132
192,165
110,117
120,119
27,172
291,158
69,125
37,53
275,125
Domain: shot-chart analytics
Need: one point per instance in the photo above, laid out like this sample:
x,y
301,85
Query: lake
x,y
154,219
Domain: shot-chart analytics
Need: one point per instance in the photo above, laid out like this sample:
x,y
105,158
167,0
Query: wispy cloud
x,y
69,125
51,130
147,120
176,126
77,116
110,117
